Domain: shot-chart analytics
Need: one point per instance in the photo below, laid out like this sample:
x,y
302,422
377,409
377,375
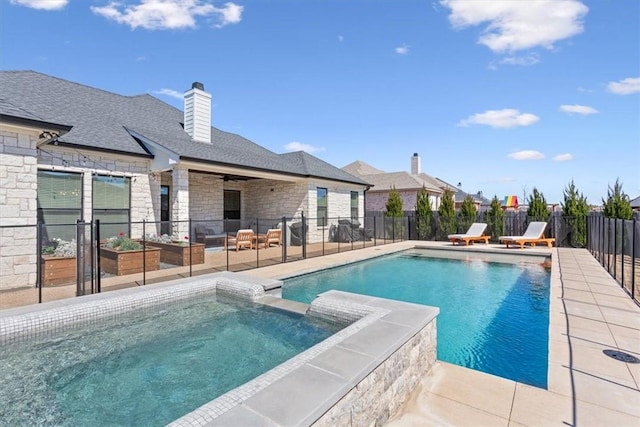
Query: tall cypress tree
x,y
447,215
537,207
424,214
574,211
495,219
468,213
394,210
617,204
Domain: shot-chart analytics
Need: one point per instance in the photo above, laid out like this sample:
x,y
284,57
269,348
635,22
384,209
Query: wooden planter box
x,y
177,254
58,270
128,262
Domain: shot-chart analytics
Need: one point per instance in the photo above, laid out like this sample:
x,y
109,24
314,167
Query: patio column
x,y
180,197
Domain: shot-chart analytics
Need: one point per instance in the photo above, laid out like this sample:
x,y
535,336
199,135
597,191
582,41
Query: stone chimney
x,y
415,164
197,113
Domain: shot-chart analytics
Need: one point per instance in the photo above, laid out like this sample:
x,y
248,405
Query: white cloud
x,y
526,155
231,13
507,118
42,4
299,146
523,61
625,87
168,14
402,50
563,157
340,39
170,92
519,25
141,58
578,109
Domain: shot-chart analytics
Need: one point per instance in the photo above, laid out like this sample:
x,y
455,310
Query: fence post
x,y
191,248
615,246
602,240
284,239
226,241
79,259
633,260
257,243
323,239
304,237
338,233
39,260
393,229
622,253
98,266
374,231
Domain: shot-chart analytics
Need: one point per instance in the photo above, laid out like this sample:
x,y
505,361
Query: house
x,y
72,152
481,203
635,204
407,184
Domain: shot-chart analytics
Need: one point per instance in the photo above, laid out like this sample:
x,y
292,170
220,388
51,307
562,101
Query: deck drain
x,y
621,356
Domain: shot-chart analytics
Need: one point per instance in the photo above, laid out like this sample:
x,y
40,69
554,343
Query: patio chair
x,y
475,233
243,239
204,234
533,234
273,236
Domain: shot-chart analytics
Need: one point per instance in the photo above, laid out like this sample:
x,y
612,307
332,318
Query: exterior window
x,y
111,204
59,201
354,205
322,206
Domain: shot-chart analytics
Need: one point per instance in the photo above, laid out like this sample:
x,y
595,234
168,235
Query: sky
x,y
500,96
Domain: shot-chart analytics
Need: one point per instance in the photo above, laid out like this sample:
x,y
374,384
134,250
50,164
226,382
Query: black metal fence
x,y
615,243
99,256
92,256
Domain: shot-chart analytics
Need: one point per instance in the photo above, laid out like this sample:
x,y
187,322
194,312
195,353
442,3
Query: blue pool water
x,y
148,369
494,317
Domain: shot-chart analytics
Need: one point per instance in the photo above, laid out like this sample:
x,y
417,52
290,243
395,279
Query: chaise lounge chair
x,y
243,239
533,234
475,233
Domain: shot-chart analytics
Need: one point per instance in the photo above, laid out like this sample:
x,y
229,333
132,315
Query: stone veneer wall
x,y
271,200
338,206
377,398
18,206
206,197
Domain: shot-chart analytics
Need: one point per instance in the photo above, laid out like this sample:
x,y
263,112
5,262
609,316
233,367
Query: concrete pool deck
x,y
589,313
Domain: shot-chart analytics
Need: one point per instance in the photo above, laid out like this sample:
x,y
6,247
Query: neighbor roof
x,y
360,168
383,181
102,120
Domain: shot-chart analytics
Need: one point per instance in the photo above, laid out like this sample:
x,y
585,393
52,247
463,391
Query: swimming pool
x,y
494,316
148,367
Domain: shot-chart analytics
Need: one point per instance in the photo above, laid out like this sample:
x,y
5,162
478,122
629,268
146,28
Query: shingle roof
x,y
315,167
399,180
383,181
100,120
360,168
635,203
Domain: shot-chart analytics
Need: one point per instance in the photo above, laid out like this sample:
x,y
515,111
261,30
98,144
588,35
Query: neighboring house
x,y
481,202
635,204
72,152
407,184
